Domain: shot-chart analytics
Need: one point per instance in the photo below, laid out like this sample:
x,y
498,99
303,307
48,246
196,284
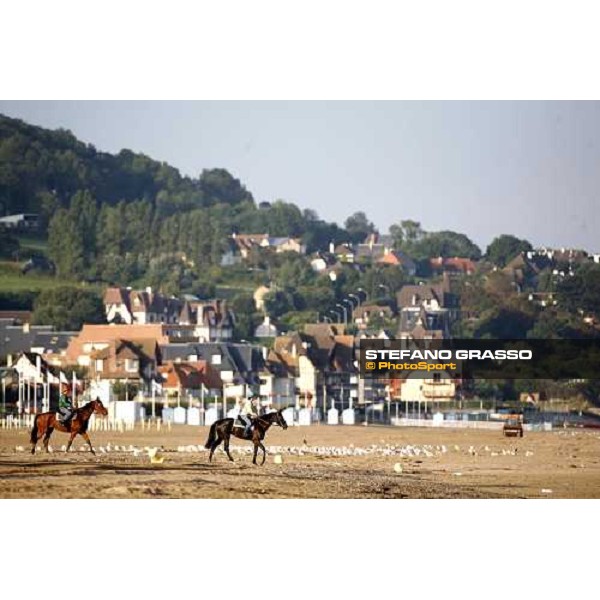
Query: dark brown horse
x,y
223,429
46,423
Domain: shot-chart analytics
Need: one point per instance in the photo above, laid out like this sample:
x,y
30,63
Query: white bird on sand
x,y
155,456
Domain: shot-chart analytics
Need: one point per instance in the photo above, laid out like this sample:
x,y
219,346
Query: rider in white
x,y
248,412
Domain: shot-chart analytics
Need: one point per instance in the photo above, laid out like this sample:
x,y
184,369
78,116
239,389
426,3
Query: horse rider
x,y
65,406
248,413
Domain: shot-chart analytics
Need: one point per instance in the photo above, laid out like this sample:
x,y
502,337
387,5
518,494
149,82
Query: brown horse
x,y
46,423
223,429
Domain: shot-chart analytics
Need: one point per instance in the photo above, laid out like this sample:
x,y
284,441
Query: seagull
x,y
155,457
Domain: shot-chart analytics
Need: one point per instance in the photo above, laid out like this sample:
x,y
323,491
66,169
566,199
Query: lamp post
x,y
346,301
337,315
345,312
358,301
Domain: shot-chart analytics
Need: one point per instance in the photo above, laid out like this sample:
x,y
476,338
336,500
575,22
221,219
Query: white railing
x,y
402,422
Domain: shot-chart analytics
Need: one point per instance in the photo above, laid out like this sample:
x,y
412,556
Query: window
x,y
216,359
99,365
131,365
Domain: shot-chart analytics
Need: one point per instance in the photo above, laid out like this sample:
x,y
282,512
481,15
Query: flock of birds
x,y
156,454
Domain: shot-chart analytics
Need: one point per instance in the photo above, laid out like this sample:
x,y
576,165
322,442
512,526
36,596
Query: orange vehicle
x,y
513,426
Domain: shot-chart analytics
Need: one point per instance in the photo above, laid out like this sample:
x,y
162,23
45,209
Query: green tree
x,y
447,244
504,248
218,185
68,308
406,233
580,293
9,245
358,227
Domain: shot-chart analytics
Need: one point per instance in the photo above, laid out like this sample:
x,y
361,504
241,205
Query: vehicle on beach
x,y
513,427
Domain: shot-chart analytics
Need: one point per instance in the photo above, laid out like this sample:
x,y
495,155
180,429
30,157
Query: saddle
x,y
61,418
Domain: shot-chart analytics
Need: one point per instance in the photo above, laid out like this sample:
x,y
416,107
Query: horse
x,y
223,429
45,423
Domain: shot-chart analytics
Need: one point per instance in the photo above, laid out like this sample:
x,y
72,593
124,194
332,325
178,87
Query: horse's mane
x,y
86,405
268,416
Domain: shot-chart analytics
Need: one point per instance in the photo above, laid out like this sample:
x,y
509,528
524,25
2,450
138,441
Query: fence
x,y
402,422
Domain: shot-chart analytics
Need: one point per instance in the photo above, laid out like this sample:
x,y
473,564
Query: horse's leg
x,y
34,438
47,438
73,434
214,446
226,446
35,435
264,453
86,437
256,443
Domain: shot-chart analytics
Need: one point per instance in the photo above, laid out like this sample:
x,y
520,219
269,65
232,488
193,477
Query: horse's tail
x,y
212,436
34,431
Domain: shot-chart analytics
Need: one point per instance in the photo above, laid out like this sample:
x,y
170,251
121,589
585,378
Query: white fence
x,y
401,422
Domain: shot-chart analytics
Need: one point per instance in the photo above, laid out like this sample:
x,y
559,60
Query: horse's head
x,y
99,408
280,420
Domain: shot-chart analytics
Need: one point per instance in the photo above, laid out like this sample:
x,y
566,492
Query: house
x,y
231,255
422,323
20,222
133,360
124,305
428,393
284,244
246,242
31,366
212,320
240,366
189,378
321,261
140,306
97,337
266,329
37,383
321,360
432,296
17,337
343,252
52,345
362,315
17,317
452,265
289,362
209,320
374,247
427,311
399,259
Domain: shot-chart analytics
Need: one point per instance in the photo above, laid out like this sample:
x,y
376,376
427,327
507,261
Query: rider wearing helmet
x,y
248,413
65,405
